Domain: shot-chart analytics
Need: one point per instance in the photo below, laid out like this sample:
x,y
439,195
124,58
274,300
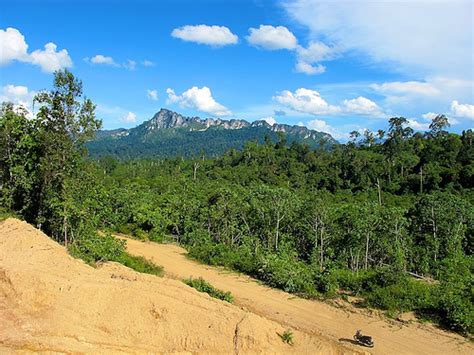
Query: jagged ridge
x,y
169,134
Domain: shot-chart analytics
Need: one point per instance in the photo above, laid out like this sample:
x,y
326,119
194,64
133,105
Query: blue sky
x,y
330,65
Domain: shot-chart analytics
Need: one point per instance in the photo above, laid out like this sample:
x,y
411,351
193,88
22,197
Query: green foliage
x,y
203,286
140,264
93,248
287,337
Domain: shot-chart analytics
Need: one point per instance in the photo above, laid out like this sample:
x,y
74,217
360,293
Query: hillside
x,y
50,302
169,134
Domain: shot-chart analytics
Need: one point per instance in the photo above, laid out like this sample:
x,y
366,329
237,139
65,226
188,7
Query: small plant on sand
x,y
203,286
287,337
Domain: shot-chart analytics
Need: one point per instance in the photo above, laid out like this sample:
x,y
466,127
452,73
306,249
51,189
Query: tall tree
x,y
65,123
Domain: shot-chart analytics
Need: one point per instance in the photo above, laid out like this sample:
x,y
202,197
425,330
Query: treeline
x,y
388,217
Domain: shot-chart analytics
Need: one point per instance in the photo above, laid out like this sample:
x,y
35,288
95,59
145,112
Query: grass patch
x,y
287,337
203,286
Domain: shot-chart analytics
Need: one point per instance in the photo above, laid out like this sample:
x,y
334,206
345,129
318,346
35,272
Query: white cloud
x,y
50,59
18,95
130,117
148,63
130,64
270,120
426,37
200,99
306,68
315,52
418,126
362,106
323,126
429,116
152,94
211,35
462,110
272,38
308,57
12,46
306,101
102,59
406,88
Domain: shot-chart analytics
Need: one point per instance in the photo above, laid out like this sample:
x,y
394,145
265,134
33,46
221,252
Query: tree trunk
x,y
366,250
379,192
321,260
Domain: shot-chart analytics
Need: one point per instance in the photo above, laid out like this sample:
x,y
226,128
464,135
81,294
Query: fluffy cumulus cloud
x,y
362,106
418,126
407,88
14,47
323,126
272,38
200,99
50,59
130,117
462,110
18,95
408,35
306,101
152,94
279,37
102,59
216,36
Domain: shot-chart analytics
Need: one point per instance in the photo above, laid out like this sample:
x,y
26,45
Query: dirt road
x,y
309,316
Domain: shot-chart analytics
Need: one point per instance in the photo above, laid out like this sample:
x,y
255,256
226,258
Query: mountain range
x,y
169,134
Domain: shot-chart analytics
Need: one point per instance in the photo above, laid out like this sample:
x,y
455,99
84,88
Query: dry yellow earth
x,y
53,303
311,317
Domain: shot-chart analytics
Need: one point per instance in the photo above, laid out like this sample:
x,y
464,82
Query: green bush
x,y
93,248
203,286
287,273
140,264
406,295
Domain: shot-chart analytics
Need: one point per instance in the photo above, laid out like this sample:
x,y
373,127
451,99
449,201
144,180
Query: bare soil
x,y
53,303
337,321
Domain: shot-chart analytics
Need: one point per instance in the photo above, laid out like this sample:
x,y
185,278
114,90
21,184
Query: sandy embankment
x,y
51,302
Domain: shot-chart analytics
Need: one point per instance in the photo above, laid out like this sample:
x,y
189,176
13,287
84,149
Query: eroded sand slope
x,y
51,302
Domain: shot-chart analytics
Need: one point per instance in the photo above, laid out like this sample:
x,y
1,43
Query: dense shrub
x,y
203,286
93,248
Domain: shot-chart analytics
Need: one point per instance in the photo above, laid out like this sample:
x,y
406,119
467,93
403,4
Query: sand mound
x,y
52,302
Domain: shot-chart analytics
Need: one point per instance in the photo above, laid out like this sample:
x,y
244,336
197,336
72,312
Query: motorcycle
x,y
364,340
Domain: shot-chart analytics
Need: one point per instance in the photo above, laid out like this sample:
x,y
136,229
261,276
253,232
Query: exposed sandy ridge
x,y
312,317
50,302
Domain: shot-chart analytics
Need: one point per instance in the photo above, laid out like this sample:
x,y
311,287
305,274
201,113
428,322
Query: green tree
x,y
64,124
